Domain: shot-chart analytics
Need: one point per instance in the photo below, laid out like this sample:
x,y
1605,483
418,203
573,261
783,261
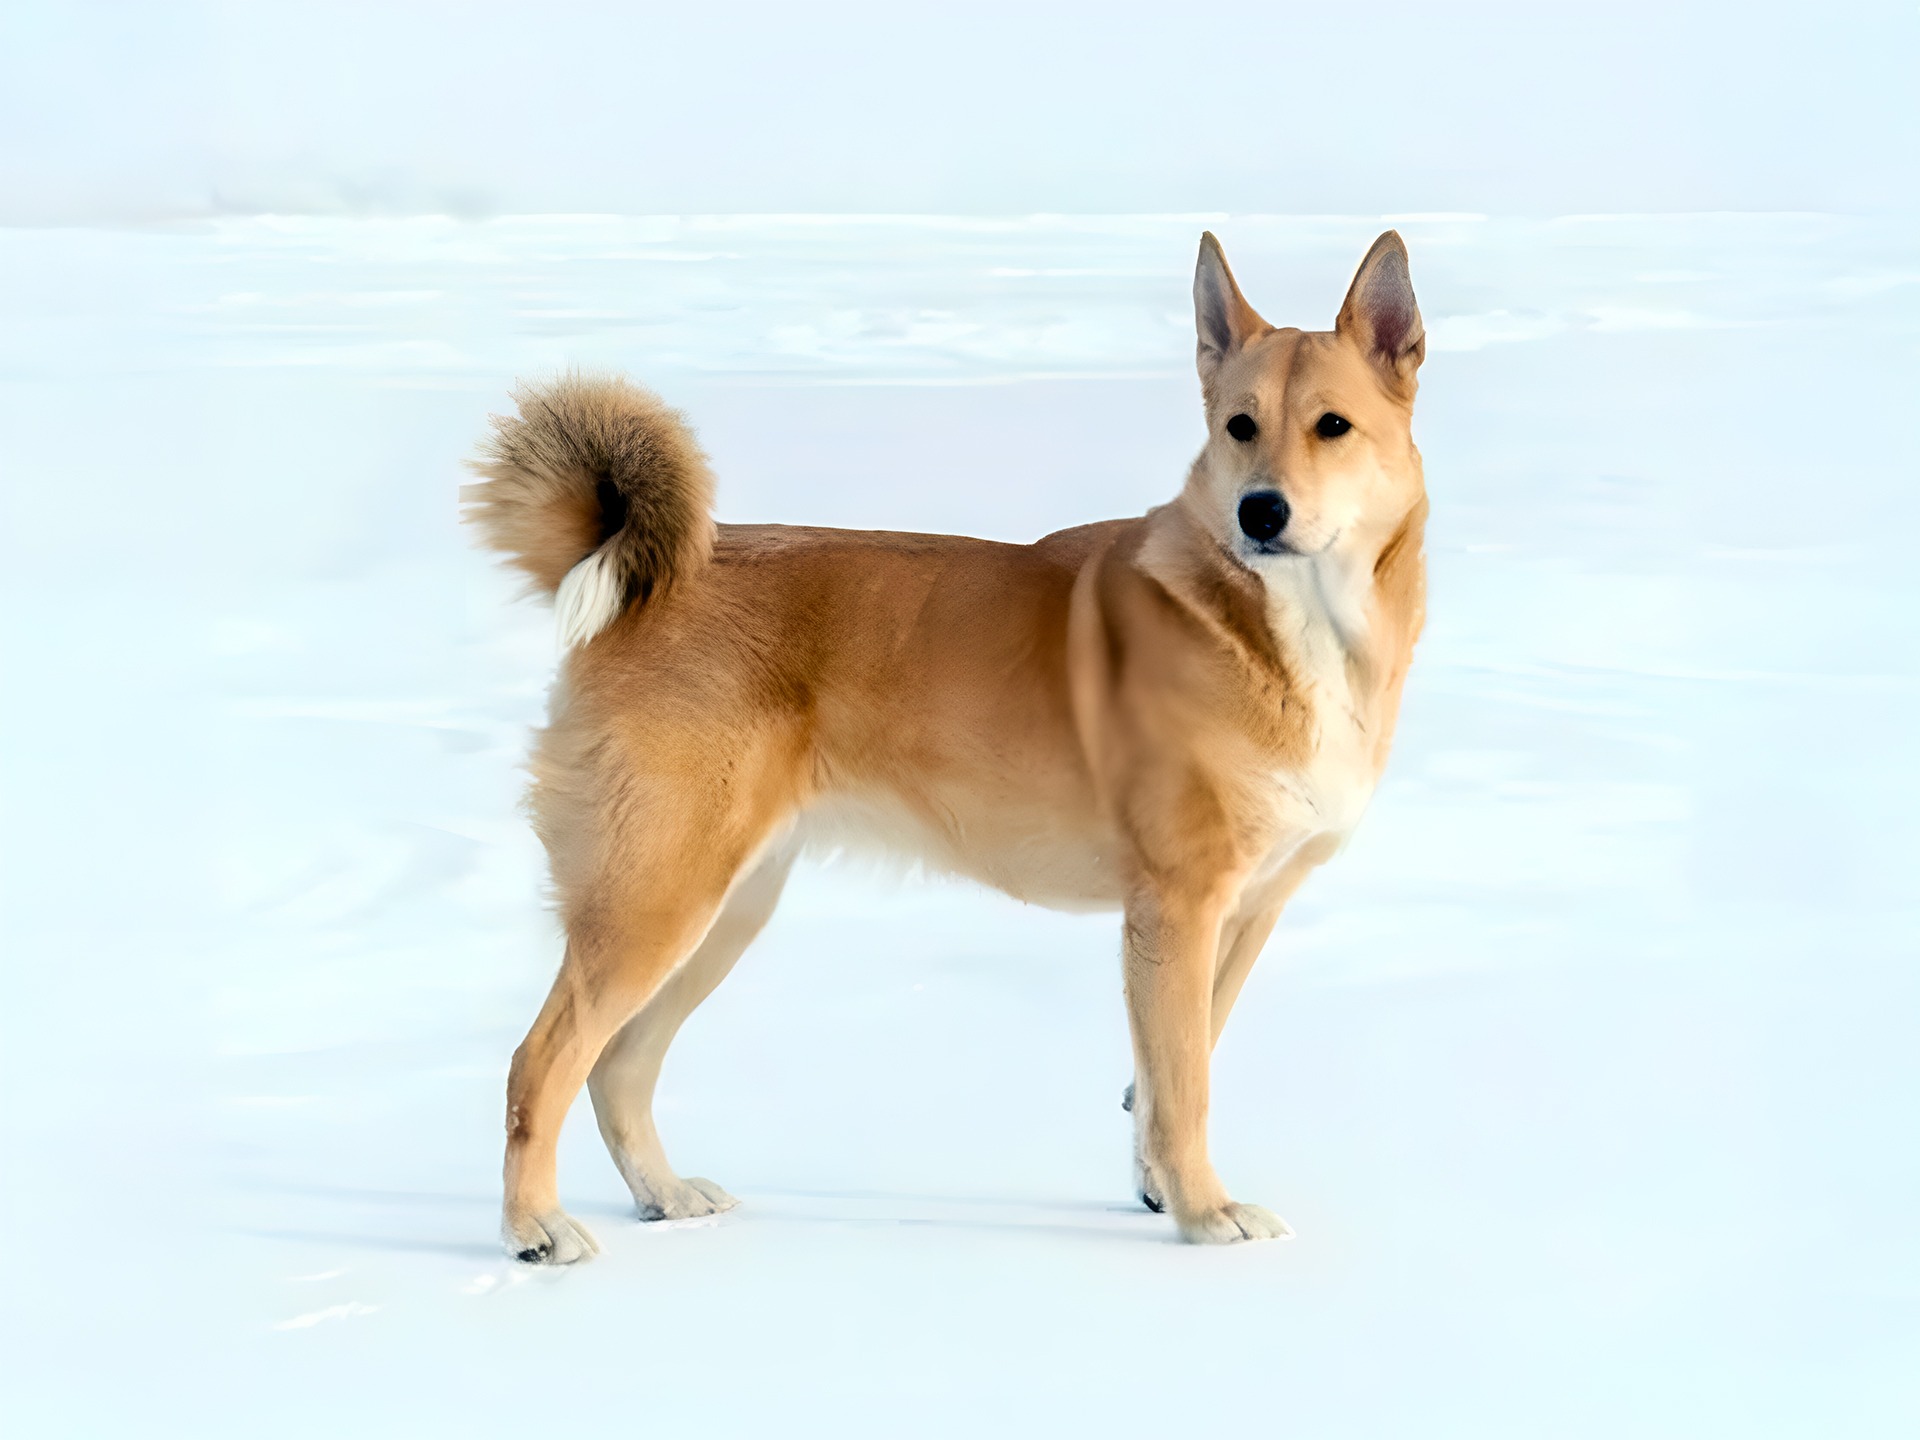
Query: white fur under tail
x,y
589,599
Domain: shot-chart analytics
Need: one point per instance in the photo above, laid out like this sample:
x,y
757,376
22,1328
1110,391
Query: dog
x,y
1177,716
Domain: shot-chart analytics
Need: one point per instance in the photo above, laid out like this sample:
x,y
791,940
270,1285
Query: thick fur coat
x,y
1177,716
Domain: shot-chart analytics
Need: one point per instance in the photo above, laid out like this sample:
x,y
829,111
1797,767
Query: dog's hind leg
x,y
656,894
607,975
623,1081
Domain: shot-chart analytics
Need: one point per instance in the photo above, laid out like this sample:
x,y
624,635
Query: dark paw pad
x,y
534,1254
1126,1099
1153,1203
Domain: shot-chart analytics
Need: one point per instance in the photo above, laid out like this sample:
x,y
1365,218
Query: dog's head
x,y
1309,433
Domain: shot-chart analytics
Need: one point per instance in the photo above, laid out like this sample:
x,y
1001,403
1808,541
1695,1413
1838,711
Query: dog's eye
x,y
1242,428
1331,426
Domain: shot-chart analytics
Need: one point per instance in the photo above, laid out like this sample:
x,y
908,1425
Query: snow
x,y
1586,1077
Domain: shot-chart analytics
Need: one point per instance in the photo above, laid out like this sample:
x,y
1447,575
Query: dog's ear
x,y
1381,317
1221,314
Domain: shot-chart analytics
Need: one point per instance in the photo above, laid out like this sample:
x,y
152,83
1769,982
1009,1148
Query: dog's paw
x,y
1232,1223
555,1238
686,1200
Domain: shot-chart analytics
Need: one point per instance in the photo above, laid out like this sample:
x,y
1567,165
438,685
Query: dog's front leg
x,y
1172,942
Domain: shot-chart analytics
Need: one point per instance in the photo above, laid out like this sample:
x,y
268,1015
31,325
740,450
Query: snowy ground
x,y
1587,1077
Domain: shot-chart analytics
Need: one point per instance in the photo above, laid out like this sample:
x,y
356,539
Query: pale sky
x,y
136,111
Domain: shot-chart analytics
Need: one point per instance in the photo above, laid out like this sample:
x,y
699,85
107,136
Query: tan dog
x,y
1179,716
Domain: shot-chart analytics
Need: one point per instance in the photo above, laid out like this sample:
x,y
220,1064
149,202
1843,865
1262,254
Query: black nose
x,y
1263,515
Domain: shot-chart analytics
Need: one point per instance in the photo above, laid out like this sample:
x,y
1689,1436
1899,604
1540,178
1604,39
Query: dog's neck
x,y
1337,628
1327,597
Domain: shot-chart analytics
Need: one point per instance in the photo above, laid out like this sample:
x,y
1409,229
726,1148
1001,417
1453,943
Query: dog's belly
x,y
1029,855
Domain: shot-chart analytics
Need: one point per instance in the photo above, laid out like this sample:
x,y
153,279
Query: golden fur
x,y
542,500
1165,715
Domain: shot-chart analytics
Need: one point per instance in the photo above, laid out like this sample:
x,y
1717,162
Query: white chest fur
x,y
1317,609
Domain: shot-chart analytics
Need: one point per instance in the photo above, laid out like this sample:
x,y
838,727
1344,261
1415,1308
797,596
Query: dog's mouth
x,y
1282,547
1247,551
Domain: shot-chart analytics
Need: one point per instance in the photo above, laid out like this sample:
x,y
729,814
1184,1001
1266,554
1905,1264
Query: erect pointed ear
x,y
1221,314
1380,315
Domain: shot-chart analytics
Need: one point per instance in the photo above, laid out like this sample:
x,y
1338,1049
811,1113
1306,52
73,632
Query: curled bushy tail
x,y
597,491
